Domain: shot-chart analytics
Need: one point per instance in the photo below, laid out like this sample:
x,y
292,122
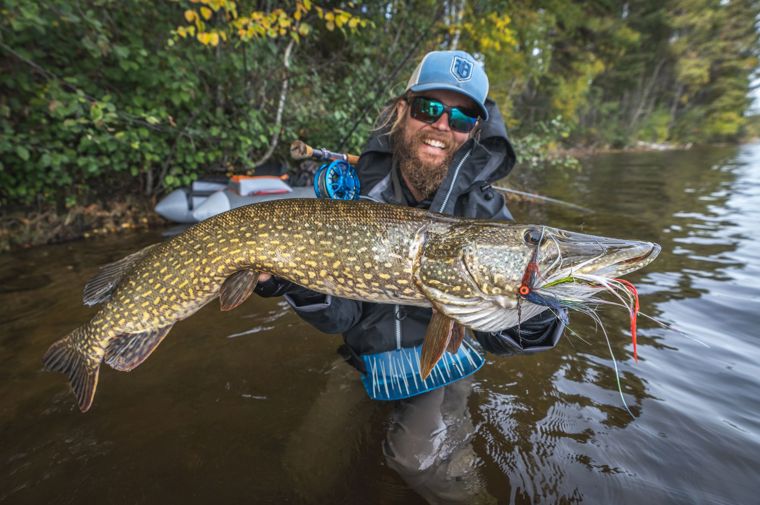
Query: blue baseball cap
x,y
455,71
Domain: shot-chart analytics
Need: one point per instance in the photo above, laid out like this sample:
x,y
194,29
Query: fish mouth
x,y
567,254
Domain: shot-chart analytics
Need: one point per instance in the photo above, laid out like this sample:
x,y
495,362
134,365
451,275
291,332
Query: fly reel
x,y
337,180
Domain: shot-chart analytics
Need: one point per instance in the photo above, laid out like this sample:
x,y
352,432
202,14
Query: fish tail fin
x,y
68,358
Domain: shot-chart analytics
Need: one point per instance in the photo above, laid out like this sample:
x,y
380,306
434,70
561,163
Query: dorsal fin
x,y
99,288
127,352
237,288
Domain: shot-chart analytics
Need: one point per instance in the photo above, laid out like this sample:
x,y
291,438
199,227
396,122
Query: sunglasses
x,y
429,110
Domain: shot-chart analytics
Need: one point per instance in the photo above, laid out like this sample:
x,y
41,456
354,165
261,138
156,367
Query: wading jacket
x,y
370,328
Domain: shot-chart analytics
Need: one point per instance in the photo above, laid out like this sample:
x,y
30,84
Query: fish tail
x,y
70,359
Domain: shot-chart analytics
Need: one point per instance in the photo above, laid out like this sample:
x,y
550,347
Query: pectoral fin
x,y
127,352
437,338
237,288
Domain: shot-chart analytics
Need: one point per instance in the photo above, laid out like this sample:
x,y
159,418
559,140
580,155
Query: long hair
x,y
389,119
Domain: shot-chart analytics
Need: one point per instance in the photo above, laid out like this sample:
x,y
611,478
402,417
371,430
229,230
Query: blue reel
x,y
337,180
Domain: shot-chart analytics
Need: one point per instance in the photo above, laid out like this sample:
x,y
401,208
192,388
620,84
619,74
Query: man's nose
x,y
442,123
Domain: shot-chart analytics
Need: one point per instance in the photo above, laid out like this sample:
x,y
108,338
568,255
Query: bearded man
x,y
439,146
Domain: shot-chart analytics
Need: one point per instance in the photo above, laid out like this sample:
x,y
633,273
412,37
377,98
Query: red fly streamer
x,y
530,275
634,312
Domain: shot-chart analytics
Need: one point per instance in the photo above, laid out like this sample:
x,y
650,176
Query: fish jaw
x,y
565,255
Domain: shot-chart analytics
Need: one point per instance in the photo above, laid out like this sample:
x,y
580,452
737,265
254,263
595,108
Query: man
x,y
439,147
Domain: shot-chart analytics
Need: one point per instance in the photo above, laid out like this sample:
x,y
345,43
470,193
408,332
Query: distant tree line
x,y
101,97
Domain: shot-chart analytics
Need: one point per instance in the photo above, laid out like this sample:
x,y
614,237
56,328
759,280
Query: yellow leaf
x,y
214,39
206,13
330,26
182,32
304,29
190,15
307,4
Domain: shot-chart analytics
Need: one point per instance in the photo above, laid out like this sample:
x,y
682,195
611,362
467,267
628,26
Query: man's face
x,y
425,150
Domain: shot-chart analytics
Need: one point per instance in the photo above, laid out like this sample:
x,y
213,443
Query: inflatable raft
x,y
211,196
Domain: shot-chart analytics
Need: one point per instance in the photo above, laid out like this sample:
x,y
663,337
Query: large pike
x,y
473,273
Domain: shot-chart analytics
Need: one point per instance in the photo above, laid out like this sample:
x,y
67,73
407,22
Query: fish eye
x,y
533,236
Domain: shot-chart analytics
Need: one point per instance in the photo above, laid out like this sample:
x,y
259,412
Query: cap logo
x,y
461,69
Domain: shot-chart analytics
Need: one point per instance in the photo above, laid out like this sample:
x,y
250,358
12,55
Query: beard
x,y
424,177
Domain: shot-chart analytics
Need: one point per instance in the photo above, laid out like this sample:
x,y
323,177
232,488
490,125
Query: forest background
x,y
106,98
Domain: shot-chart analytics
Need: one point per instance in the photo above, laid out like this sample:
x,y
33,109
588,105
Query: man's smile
x,y
435,143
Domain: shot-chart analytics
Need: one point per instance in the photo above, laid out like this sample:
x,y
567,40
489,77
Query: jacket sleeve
x,y
539,333
326,313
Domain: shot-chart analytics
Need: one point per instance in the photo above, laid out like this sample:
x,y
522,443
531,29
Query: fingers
x,y
263,277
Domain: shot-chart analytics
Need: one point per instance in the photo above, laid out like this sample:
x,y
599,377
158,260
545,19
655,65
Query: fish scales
x,y
468,270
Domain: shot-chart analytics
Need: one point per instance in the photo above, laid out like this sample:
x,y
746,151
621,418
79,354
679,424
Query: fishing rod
x,y
300,150
540,198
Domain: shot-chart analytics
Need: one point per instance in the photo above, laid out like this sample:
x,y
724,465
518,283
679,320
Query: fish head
x,y
510,262
475,274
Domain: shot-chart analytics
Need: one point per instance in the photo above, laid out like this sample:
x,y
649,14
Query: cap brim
x,y
433,86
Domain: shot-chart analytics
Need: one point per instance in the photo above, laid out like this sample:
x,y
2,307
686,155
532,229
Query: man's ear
x,y
401,107
475,133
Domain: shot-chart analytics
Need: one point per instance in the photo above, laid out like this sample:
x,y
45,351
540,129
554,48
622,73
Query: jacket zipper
x,y
454,179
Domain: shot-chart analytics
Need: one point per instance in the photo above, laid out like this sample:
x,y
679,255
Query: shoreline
x,y
23,230
639,147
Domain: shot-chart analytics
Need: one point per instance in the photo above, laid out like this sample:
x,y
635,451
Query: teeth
x,y
435,143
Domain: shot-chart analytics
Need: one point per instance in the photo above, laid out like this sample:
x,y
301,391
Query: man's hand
x,y
263,277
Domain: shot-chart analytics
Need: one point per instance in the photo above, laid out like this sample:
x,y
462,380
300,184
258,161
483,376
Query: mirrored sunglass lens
x,y
460,121
429,110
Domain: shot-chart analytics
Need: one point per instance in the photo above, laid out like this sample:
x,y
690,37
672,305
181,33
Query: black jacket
x,y
369,328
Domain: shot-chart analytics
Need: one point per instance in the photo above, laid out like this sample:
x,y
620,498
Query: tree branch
x,y
280,107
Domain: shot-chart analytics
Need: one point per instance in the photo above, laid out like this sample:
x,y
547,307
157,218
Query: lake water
x,y
254,405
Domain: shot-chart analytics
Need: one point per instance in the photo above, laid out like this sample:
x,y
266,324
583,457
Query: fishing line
x,y
617,373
